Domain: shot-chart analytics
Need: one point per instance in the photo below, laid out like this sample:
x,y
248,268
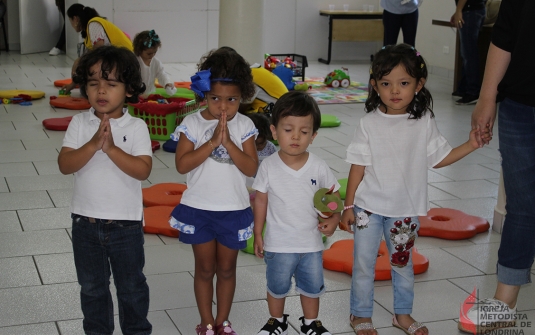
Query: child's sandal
x,y
225,329
360,326
412,328
204,330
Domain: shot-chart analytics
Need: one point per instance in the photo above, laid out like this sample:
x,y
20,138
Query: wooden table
x,y
357,26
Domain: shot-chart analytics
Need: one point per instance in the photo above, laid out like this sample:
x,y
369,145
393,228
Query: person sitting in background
x,y
96,31
146,45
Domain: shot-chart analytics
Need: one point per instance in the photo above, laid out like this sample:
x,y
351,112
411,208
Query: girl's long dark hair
x,y
387,59
84,13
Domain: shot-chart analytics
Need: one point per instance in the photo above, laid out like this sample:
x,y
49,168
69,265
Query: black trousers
x,y
393,23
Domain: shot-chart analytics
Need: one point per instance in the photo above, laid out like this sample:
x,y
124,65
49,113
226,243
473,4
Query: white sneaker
x,y
487,315
55,51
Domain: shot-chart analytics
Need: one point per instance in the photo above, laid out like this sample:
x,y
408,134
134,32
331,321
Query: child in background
x,y
393,146
264,147
216,148
285,186
146,44
109,152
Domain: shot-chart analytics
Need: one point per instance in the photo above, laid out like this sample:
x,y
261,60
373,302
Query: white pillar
x,y
499,209
240,27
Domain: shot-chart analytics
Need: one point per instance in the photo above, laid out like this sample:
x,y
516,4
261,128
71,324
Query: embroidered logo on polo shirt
x,y
313,181
124,138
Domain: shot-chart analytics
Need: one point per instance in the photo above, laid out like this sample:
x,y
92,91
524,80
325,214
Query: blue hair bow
x,y
153,37
200,82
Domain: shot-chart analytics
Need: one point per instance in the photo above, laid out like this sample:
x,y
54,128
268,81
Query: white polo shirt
x,y
101,189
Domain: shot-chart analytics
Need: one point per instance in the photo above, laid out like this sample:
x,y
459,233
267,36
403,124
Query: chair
x,y
3,23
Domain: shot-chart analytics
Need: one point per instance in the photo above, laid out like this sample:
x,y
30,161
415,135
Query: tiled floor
x,y
38,288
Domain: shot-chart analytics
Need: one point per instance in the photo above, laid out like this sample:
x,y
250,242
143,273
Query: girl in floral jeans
x,y
393,146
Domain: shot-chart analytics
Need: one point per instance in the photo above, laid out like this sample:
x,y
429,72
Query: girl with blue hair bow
x,y
146,44
216,148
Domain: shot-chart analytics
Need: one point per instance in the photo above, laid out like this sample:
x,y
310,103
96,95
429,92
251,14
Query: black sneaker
x,y
315,328
467,99
274,327
457,94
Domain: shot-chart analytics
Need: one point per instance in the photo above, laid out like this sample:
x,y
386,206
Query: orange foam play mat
x,y
63,82
178,84
451,224
339,257
157,221
70,103
58,123
165,194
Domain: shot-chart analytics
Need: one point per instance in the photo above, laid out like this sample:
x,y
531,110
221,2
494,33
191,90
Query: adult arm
x,y
457,17
484,113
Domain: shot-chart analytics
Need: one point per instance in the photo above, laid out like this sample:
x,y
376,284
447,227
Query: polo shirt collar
x,y
121,122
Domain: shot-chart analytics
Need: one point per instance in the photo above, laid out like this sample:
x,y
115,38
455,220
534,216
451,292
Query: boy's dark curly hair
x,y
84,13
387,59
118,60
225,62
296,103
142,39
261,122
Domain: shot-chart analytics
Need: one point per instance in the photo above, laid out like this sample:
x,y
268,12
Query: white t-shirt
x,y
217,184
292,222
97,33
397,152
101,189
154,71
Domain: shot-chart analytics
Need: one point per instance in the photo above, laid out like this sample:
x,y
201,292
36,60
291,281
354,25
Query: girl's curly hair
x,y
118,60
142,39
225,62
384,62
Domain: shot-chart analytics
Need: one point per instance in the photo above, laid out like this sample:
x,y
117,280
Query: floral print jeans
x,y
400,234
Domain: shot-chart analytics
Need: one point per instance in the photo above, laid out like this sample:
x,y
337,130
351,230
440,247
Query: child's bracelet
x,y
211,146
348,207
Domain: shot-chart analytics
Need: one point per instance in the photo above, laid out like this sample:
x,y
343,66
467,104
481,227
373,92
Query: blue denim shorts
x,y
230,228
306,268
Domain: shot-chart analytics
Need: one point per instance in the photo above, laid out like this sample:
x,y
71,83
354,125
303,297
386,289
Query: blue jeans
x,y
306,268
516,127
393,23
118,244
366,246
471,79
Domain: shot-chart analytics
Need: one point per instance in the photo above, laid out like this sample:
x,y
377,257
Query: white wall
x,y
189,28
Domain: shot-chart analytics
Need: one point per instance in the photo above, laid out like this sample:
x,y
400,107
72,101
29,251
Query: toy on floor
x,y
286,75
329,121
343,188
63,93
339,257
21,99
165,194
64,82
302,87
155,145
170,145
59,123
451,224
338,78
271,62
326,204
25,95
157,221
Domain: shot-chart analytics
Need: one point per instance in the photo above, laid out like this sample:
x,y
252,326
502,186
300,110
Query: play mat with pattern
x,y
323,94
